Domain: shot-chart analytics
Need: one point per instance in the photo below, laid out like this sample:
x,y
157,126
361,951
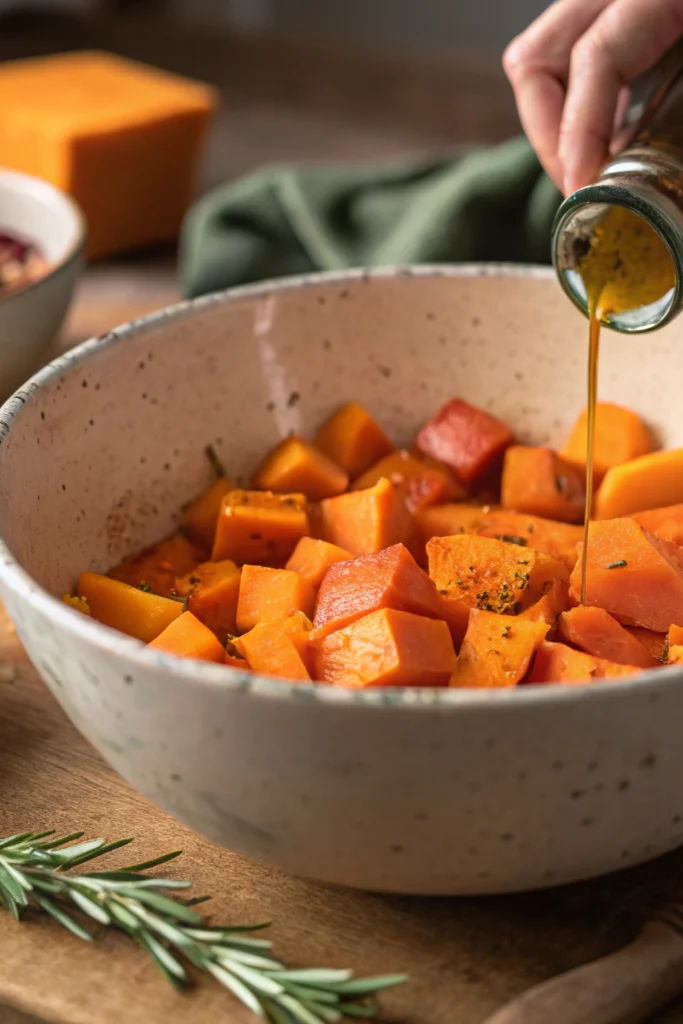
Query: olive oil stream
x,y
626,267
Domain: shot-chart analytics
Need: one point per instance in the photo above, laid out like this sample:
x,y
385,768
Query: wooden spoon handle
x,y
625,988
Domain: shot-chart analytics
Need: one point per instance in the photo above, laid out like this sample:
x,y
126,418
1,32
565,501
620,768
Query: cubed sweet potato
x,y
497,650
464,437
388,648
211,591
201,515
620,435
675,636
540,482
268,595
550,605
596,632
423,481
675,655
656,643
557,663
666,522
632,574
388,579
296,466
259,527
365,522
278,648
353,440
187,637
132,611
312,558
649,482
158,567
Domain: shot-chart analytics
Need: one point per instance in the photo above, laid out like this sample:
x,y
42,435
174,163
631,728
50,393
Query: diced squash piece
x,y
296,466
596,632
620,435
497,650
123,139
364,522
259,527
556,539
651,481
489,574
353,440
158,567
557,663
312,558
211,591
128,609
387,648
632,574
666,522
656,643
423,481
201,515
187,637
278,648
675,636
675,655
550,605
268,595
541,482
389,579
464,437
79,603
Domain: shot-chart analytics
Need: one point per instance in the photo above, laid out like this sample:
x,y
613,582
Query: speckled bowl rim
x,y
71,254
109,641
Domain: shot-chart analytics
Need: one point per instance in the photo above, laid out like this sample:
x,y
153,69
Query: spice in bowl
x,y
21,263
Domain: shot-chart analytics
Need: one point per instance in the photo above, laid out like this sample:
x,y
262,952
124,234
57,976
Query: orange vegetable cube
x,y
540,482
364,522
259,527
187,637
632,574
648,482
675,636
656,643
296,465
557,663
620,435
666,522
422,481
211,591
389,579
312,558
464,437
550,605
353,440
388,648
596,632
157,567
278,648
128,609
675,655
497,650
268,595
201,515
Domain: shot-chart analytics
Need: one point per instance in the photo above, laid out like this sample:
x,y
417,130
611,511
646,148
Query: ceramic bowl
x,y
408,791
30,317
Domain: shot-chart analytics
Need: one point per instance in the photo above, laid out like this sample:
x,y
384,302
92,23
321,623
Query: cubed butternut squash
x,y
666,522
387,648
211,591
201,515
353,440
540,482
649,482
596,632
259,527
365,522
497,650
130,610
157,567
423,481
675,636
312,558
296,466
550,605
278,648
632,574
656,643
466,438
268,595
557,663
187,637
675,655
620,435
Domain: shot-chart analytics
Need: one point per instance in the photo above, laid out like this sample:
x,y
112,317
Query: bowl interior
x,y
37,212
103,453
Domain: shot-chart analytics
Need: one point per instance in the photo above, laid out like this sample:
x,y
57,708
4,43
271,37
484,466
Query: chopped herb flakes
x,y
511,538
619,564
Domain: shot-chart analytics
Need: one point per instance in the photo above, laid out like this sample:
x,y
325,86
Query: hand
x,y
570,72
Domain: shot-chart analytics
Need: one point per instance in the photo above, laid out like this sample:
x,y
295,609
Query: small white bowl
x,y
30,317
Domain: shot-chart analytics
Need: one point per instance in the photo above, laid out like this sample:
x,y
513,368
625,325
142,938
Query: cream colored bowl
x,y
413,791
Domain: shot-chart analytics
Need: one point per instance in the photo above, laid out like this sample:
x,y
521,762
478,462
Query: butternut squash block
x,y
259,527
651,481
312,558
211,591
632,574
549,607
364,522
466,438
656,643
539,481
132,611
497,650
278,648
187,637
267,595
157,567
388,648
557,663
620,435
423,481
296,465
123,139
353,440
596,632
201,515
666,522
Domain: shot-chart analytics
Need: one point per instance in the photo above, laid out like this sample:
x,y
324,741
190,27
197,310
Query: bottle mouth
x,y
573,232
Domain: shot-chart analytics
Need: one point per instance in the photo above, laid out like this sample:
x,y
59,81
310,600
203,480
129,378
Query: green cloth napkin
x,y
492,204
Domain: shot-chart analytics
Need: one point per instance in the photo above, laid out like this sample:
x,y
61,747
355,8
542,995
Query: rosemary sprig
x,y
32,872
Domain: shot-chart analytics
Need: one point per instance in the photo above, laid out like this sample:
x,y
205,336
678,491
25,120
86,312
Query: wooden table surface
x,y
465,957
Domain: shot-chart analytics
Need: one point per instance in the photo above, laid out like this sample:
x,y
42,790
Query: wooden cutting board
x,y
465,957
